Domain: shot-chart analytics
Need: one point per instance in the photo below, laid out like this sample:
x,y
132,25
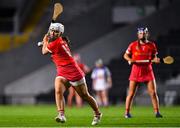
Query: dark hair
x,y
66,38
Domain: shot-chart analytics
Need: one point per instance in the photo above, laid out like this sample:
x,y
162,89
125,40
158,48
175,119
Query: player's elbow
x,y
125,56
44,52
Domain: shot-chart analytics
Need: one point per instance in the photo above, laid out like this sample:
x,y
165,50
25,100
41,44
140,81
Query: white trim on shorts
x,y
79,82
61,77
74,83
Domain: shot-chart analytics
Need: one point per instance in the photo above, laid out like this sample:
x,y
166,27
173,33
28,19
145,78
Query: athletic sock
x,y
61,112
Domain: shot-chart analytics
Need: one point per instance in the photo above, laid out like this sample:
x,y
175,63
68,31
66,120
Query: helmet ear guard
x,y
146,30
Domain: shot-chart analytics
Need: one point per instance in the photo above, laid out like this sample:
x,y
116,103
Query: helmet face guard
x,y
143,33
146,30
142,30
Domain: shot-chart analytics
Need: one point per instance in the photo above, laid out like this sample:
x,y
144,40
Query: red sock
x,y
61,112
127,110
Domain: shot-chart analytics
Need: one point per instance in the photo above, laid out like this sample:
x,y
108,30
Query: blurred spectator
x,y
72,92
101,80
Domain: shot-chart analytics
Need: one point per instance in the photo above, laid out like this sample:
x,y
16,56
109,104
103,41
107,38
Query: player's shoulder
x,y
133,43
152,42
60,39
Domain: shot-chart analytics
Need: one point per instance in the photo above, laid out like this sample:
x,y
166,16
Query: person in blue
x,y
101,82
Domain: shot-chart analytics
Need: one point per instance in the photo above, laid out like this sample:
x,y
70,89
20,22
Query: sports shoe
x,y
96,119
60,118
128,115
158,115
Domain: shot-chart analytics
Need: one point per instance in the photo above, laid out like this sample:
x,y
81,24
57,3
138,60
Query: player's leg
x,y
83,92
60,103
151,85
79,102
129,99
99,98
104,97
70,96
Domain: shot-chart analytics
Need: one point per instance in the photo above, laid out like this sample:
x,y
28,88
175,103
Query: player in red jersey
x,y
68,72
72,92
142,72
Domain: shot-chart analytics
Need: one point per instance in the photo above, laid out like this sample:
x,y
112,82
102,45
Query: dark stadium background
x,y
97,29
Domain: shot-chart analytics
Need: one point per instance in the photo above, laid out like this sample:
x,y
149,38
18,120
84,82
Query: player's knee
x,y
131,95
84,96
59,91
152,93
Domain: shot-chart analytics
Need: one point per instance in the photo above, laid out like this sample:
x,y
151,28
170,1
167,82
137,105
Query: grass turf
x,y
113,116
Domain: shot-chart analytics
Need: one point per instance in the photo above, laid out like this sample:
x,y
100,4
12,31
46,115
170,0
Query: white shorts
x,y
79,82
75,83
100,87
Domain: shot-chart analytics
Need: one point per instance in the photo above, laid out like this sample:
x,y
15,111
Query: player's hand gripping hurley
x,y
58,9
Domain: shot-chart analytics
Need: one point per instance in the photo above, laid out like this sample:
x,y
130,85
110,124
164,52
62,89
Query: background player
x,y
101,80
72,92
142,49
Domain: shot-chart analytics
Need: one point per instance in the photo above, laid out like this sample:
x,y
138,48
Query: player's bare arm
x,y
45,43
128,58
109,80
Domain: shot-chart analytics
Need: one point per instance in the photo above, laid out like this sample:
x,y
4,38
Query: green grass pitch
x,y
43,116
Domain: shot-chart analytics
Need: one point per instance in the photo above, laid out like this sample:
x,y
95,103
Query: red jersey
x,y
142,51
142,72
82,66
65,64
61,54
